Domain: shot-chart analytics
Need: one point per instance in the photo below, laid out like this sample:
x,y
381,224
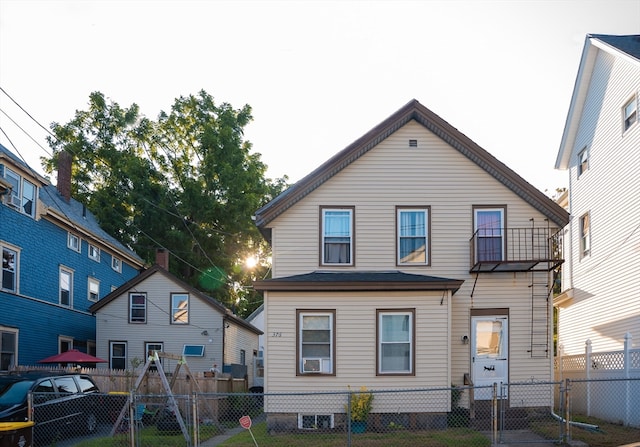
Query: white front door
x,y
489,353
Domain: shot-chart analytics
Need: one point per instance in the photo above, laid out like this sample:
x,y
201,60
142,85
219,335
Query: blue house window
x,y
9,269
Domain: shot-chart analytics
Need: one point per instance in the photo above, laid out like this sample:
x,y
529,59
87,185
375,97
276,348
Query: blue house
x,y
56,263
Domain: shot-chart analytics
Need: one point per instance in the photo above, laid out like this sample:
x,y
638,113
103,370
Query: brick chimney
x,y
162,258
64,175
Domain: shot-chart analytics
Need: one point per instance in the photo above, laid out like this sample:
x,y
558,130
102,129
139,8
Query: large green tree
x,y
187,182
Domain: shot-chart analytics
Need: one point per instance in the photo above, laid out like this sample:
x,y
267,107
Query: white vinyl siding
x,y
609,193
112,324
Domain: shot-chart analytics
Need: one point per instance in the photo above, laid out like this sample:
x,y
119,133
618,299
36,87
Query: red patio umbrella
x,y
72,356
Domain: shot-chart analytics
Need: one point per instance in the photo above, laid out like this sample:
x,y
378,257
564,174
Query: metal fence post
x,y
132,425
567,433
349,394
588,365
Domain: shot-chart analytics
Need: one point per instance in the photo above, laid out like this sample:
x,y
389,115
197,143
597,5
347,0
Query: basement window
x,y
315,421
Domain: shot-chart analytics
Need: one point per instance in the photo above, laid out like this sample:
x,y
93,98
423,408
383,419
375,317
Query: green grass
x,y
149,437
607,435
440,438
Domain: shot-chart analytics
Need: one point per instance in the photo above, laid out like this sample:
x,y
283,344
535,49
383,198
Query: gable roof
x,y
625,47
358,281
72,213
157,269
413,110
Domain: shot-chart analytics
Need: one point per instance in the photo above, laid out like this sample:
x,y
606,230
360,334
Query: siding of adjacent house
x,y
238,339
112,325
394,174
605,303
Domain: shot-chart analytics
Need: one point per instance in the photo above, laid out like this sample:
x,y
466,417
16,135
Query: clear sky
x,y
318,74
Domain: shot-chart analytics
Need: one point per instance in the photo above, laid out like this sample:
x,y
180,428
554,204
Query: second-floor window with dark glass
x,y
137,308
337,236
9,269
489,227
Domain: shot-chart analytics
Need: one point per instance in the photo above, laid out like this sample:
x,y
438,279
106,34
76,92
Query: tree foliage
x,y
187,182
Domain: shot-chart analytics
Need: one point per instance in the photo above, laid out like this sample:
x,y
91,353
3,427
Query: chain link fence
x,y
527,412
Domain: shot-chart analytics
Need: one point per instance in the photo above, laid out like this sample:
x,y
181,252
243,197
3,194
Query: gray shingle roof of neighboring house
x,y
629,44
75,212
359,280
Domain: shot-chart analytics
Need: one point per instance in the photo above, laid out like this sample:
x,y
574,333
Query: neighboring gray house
x,y
257,319
157,311
600,149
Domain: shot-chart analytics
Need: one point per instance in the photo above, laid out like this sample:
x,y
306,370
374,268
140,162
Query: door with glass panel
x,y
489,353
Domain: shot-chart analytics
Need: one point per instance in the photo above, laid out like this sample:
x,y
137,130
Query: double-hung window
x,y
73,242
9,268
316,342
94,253
66,287
630,113
395,341
23,193
137,307
337,236
93,289
489,233
118,355
115,264
585,235
179,308
8,348
412,231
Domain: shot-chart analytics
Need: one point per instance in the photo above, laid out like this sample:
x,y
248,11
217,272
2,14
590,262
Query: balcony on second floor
x,y
497,250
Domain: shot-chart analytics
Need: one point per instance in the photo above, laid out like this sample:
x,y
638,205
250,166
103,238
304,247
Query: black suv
x,y
62,402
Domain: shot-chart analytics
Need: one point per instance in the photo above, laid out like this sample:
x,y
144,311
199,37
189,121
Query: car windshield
x,y
12,393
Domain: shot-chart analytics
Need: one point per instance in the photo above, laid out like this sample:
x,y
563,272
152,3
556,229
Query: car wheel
x,y
90,423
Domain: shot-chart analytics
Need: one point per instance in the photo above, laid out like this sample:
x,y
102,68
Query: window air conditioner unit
x,y
311,364
14,201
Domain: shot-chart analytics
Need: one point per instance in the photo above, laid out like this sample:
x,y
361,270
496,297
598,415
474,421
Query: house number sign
x,y
276,334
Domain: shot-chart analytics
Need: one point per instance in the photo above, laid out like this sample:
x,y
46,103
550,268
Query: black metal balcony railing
x,y
515,250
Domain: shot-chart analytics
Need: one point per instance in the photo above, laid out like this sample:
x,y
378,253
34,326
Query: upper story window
x,y
94,253
23,193
337,236
93,289
316,342
583,161
489,232
10,263
73,242
630,113
66,287
395,341
116,264
137,308
585,235
412,225
179,308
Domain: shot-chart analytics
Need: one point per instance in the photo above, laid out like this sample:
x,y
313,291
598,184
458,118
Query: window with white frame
x,y
23,193
337,236
94,253
412,228
630,113
64,344
179,308
93,289
315,421
585,235
137,307
73,242
10,264
118,355
8,348
489,233
116,264
583,161
395,341
66,287
316,342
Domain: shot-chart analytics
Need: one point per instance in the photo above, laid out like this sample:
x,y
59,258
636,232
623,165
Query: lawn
x,y
440,438
607,434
